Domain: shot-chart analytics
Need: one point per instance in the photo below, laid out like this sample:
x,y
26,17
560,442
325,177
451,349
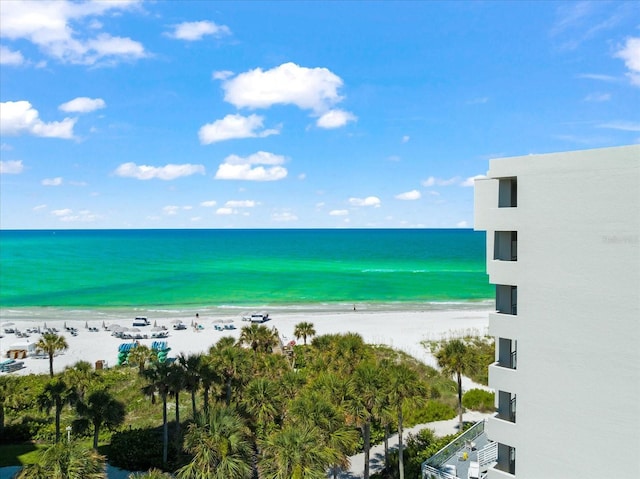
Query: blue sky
x,y
158,114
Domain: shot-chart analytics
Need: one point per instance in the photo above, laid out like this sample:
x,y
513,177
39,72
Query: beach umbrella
x,y
65,325
86,324
155,324
113,327
176,321
45,326
103,325
217,321
155,329
9,324
227,320
134,330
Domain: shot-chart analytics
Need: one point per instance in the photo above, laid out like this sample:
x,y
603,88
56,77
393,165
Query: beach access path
x,y
376,461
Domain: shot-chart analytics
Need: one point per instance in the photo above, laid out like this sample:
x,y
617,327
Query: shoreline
x,y
401,327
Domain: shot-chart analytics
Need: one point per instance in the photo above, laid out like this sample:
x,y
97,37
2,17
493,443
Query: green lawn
x,y
19,454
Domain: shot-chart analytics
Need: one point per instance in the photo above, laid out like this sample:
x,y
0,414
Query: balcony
x,y
507,353
505,245
506,406
501,378
503,325
507,299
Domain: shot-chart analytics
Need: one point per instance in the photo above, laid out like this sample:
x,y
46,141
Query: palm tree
x,y
81,376
66,460
451,357
208,377
261,400
51,343
55,395
315,409
7,397
159,381
231,362
361,408
100,409
295,452
176,385
304,330
151,474
191,371
403,386
140,356
219,447
258,337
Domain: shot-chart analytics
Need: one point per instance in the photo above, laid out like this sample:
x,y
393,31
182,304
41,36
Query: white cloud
x,y
17,117
11,167
597,97
240,204
228,171
621,125
209,204
283,217
221,75
235,167
313,89
39,207
9,57
171,210
302,176
409,195
599,77
233,127
433,181
52,181
630,53
167,172
258,158
63,212
462,224
192,31
335,119
48,25
405,138
471,180
338,212
368,201
225,211
82,104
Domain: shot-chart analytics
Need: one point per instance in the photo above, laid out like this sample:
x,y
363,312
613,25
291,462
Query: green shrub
x,y
137,449
479,400
432,411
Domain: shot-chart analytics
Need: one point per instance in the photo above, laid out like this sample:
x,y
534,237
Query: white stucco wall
x,y
578,323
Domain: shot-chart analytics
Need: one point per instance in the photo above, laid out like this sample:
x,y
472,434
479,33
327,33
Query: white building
x,y
563,249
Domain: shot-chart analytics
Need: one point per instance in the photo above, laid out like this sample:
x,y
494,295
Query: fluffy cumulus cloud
x,y
192,31
19,117
11,167
234,127
82,104
630,53
409,195
251,167
335,119
313,89
472,180
240,204
52,181
10,57
284,216
70,216
62,29
167,172
209,203
368,201
433,181
339,213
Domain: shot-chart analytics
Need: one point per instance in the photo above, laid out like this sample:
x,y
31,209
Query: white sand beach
x,y
403,330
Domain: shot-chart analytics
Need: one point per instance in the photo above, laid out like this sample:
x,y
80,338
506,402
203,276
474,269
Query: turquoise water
x,y
181,269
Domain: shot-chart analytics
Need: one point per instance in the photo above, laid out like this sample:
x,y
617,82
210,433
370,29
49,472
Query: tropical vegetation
x,y
244,408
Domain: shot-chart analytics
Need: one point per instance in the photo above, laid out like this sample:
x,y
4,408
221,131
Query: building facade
x,y
563,251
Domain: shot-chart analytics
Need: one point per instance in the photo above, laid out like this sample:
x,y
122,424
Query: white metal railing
x,y
487,456
429,472
454,446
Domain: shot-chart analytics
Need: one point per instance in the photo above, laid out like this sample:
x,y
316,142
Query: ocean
x,y
206,270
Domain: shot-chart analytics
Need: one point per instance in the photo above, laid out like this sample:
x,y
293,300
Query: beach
x,y
403,329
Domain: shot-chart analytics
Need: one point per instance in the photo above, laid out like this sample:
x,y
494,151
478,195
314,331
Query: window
x,y
507,299
505,245
508,193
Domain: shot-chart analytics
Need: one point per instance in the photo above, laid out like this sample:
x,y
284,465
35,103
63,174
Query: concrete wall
x,y
578,321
